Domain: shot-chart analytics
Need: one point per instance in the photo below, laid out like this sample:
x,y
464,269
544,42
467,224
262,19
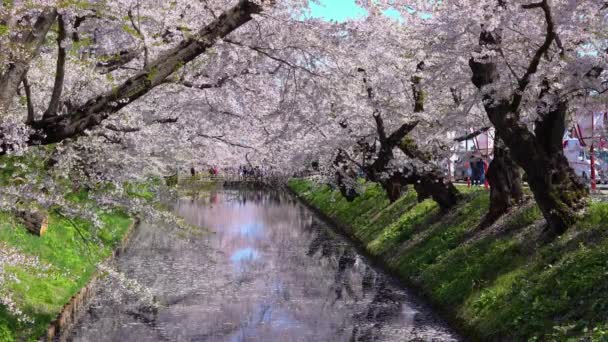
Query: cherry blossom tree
x,y
531,63
151,84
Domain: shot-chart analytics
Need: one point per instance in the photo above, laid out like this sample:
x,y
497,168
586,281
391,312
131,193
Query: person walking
x,y
468,171
475,172
481,166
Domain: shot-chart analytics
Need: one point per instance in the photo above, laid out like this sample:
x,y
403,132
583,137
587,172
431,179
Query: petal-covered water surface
x,y
256,266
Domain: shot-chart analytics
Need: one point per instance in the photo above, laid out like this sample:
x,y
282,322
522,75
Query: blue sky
x,y
338,10
341,10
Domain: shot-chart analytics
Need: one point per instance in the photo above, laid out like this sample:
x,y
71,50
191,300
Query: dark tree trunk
x,y
395,186
342,177
556,188
432,184
396,183
426,183
429,183
505,183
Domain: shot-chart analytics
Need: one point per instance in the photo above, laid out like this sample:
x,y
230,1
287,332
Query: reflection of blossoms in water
x,y
269,272
13,258
131,286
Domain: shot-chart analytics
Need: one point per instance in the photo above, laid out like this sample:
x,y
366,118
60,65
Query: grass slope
x,y
498,284
38,275
66,262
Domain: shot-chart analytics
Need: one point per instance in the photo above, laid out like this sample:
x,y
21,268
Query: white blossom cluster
x,y
130,285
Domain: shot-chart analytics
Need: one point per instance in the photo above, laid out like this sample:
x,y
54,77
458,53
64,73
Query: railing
x,y
219,178
228,179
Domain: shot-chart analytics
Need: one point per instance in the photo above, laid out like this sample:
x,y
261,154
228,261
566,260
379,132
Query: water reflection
x,y
270,271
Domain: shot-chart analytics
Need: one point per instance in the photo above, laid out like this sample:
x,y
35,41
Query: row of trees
x,y
123,81
527,66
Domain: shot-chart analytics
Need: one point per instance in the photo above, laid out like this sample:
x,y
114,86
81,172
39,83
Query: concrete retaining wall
x,y
60,328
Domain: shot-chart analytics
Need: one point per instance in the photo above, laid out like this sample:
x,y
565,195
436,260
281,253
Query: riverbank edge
x,y
457,325
60,328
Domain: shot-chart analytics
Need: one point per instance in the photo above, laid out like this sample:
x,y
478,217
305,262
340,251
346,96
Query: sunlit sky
x,y
340,10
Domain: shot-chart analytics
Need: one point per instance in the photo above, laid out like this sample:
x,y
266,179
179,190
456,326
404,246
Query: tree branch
x,y
117,61
534,63
114,128
28,98
218,84
59,72
166,120
275,58
472,135
13,76
141,36
223,140
417,91
401,132
97,109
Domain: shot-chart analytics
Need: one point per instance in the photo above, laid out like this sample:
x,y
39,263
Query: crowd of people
x,y
250,171
243,172
212,171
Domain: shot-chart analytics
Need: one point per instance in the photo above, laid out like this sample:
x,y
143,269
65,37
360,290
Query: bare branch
x,y
534,63
141,36
260,50
218,84
221,138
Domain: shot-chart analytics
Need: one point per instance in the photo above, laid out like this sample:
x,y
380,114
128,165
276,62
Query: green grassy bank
x,y
494,284
39,275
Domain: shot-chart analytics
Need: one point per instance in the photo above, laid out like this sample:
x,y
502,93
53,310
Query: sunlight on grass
x,y
496,286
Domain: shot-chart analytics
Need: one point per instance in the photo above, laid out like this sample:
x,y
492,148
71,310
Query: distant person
x,y
481,166
192,171
474,172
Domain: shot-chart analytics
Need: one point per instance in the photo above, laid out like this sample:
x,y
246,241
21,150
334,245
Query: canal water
x,y
255,266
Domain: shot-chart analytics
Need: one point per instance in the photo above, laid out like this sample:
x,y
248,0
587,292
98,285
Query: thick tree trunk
x,y
395,186
505,183
429,183
341,166
347,191
432,184
93,112
13,76
396,183
555,186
